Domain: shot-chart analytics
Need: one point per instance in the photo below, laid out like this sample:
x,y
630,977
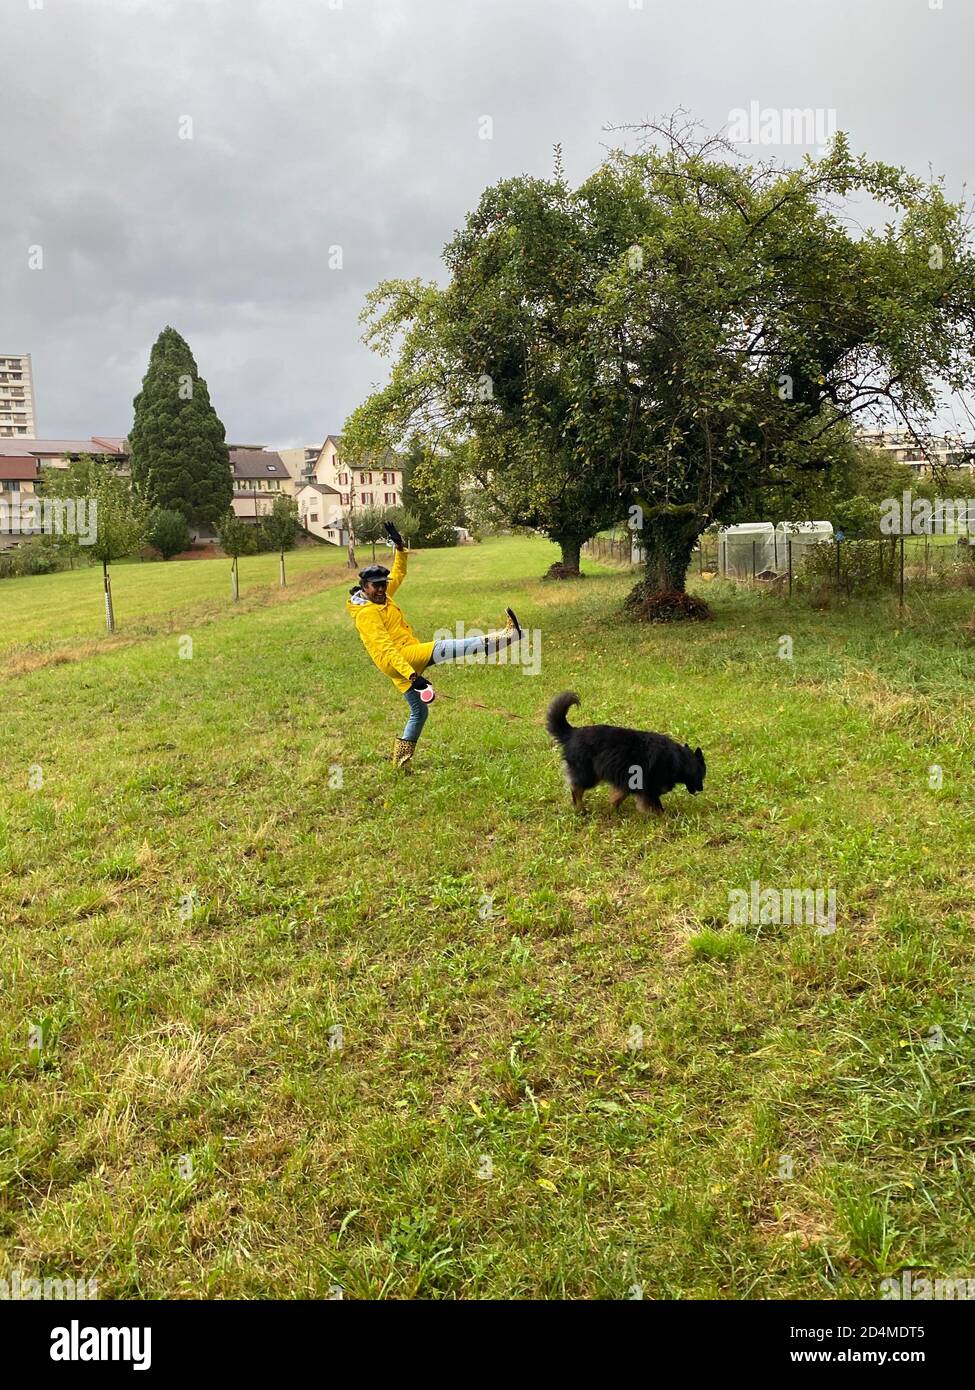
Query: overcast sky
x,y
356,123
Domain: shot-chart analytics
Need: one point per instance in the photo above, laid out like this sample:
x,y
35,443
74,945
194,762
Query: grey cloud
x,y
357,126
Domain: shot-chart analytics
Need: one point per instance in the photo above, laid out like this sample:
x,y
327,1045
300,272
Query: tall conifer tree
x,y
179,458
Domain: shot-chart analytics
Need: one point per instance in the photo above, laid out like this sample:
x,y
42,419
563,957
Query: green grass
x,y
42,613
665,1099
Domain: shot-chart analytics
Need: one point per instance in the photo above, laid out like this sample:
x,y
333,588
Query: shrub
x,y
865,566
36,555
168,532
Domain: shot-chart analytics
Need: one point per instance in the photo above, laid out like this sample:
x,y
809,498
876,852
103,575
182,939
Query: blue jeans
x,y
447,650
419,713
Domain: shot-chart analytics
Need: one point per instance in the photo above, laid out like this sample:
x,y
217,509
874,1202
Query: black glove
x,y
418,683
393,534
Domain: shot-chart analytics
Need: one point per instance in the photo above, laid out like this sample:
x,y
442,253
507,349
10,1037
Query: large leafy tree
x,y
677,337
179,457
486,377
432,495
750,323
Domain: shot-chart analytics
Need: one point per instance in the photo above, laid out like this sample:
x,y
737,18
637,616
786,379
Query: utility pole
x,y
352,562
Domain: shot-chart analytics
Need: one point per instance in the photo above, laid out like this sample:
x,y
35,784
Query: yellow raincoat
x,y
385,633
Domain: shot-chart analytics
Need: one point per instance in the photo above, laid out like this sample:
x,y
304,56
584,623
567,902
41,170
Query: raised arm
x,y
398,573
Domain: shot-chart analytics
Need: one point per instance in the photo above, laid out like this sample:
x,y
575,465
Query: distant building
x,y
24,461
945,451
59,453
259,477
329,487
18,479
320,512
300,462
17,416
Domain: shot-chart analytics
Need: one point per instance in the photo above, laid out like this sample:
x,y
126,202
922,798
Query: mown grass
x,y
40,616
562,1071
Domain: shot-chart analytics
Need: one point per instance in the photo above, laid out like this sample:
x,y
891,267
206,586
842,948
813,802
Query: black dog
x,y
630,761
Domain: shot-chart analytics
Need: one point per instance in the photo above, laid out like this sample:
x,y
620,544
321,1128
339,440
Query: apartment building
x,y
300,462
944,451
17,417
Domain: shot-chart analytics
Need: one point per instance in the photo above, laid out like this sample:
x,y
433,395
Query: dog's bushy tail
x,y
556,722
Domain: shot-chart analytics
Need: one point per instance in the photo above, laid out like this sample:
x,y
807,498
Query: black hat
x,y
374,574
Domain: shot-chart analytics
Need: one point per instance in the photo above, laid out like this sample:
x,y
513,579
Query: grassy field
x,y
560,1070
148,598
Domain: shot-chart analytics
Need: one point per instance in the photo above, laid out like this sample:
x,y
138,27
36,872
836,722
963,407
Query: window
x,y
367,477
367,499
314,517
345,499
343,478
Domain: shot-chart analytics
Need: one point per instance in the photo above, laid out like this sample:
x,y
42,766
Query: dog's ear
x,y
699,755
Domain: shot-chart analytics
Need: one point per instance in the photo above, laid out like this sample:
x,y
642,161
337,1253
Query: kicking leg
x,y
616,798
489,645
650,803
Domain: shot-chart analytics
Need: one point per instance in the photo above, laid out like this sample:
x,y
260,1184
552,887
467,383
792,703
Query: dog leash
x,y
476,704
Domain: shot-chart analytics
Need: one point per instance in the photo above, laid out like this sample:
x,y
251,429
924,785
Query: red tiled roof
x,y
99,444
19,468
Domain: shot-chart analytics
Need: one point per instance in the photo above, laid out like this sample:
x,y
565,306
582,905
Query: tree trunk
x,y
667,548
568,566
570,547
660,595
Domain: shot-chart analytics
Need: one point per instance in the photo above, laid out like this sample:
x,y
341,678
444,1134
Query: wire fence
x,y
841,566
618,550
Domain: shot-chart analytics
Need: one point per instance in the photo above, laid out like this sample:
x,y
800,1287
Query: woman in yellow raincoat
x,y
394,647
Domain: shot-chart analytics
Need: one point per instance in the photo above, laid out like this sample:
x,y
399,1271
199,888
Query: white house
x,y
319,511
328,487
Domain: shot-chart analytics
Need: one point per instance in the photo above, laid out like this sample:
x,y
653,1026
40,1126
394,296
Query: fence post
x,y
900,606
789,553
837,566
754,544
